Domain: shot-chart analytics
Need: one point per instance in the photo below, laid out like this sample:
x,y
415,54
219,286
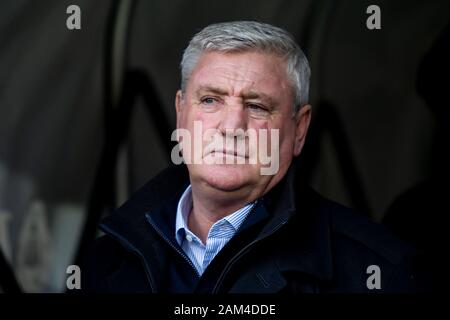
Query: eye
x,y
210,104
208,100
258,109
254,107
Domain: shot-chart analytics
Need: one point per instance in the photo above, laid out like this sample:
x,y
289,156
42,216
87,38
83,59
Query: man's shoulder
x,y
360,245
158,189
352,229
104,257
105,253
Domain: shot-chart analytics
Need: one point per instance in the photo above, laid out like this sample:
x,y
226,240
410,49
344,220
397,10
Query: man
x,y
229,220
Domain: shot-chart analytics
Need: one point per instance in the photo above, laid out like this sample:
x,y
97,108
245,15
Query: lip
x,y
229,153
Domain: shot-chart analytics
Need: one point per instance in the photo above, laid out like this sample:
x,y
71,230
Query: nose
x,y
232,118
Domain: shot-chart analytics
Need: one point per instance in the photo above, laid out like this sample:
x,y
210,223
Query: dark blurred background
x,y
86,115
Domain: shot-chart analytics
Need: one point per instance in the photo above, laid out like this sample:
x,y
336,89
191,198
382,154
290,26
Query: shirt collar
x,y
184,207
183,210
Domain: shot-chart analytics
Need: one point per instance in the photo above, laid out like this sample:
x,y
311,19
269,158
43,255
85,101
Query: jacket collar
x,y
298,210
129,223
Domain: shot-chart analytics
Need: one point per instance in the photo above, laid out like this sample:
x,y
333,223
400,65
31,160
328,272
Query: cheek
x,y
286,136
191,116
259,125
201,125
208,119
184,117
285,131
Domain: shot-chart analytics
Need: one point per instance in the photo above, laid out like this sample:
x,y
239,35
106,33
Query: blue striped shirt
x,y
220,233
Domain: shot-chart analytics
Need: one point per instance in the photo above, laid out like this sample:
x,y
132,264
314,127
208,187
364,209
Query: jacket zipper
x,y
135,251
240,254
175,248
219,282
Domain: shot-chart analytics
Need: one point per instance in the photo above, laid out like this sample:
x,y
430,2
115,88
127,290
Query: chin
x,y
226,177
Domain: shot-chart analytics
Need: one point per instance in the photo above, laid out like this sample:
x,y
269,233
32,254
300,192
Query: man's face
x,y
243,91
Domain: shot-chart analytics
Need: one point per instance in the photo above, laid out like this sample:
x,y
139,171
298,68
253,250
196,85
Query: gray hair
x,y
241,36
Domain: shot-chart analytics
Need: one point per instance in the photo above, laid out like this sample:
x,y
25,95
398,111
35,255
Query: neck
x,y
207,210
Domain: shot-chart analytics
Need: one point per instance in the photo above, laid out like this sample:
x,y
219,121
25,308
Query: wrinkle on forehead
x,y
240,75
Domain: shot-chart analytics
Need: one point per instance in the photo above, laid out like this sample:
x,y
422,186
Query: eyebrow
x,y
259,95
212,89
246,95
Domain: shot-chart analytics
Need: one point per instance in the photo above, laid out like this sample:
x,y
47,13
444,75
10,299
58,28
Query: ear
x,y
302,120
178,106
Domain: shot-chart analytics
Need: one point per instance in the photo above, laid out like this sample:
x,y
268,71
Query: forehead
x,y
236,72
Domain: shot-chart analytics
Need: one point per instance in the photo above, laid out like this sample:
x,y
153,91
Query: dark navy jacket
x,y
297,242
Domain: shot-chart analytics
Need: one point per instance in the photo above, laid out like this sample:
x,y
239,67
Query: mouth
x,y
228,153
